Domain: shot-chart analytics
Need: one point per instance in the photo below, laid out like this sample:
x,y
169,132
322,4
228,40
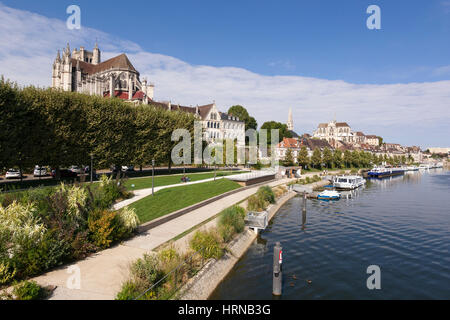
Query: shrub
x,y
101,227
267,194
227,232
280,190
207,244
231,221
19,224
28,290
147,270
7,273
130,291
76,200
128,220
45,227
256,203
167,256
108,191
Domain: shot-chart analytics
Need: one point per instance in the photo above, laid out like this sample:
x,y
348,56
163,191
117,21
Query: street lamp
x,y
153,177
92,165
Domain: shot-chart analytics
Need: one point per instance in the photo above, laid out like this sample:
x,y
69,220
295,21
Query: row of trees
x,y
338,159
59,129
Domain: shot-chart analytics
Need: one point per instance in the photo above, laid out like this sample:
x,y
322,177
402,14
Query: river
x,y
401,224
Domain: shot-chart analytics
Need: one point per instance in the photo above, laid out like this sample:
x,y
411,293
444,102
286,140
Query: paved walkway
x,y
102,274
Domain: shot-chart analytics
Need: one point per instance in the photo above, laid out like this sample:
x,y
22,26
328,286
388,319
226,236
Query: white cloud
x,y
446,6
442,71
400,112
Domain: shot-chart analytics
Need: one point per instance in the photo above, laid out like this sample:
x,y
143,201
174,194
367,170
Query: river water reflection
x,y
401,224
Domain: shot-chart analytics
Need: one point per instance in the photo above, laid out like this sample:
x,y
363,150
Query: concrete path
x,y
100,276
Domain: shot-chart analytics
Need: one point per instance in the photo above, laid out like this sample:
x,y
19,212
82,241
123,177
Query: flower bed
x,y
46,227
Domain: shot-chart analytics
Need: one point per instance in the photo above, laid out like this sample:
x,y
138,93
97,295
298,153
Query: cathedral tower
x,y
290,123
96,59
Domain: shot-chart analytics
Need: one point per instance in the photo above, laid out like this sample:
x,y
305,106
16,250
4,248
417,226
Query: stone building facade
x,y
83,71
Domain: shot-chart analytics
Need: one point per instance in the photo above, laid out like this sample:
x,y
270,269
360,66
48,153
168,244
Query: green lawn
x,y
144,183
172,199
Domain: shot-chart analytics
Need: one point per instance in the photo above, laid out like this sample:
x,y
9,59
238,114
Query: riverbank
x,y
205,282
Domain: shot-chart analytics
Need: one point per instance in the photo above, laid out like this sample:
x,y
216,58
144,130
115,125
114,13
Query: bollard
x,y
304,201
277,269
303,220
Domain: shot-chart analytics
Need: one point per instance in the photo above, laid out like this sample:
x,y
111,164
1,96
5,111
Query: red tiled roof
x,y
289,143
138,95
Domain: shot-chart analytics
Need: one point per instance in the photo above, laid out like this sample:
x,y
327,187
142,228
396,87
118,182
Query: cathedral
x,y
83,71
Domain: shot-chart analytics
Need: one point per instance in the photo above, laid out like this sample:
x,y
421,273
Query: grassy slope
x,y
144,183
169,200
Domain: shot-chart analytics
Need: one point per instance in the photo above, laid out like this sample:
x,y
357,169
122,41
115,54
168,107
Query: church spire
x,y
290,123
96,59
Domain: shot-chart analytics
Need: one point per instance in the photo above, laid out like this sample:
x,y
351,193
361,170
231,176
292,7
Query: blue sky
x,y
325,39
317,57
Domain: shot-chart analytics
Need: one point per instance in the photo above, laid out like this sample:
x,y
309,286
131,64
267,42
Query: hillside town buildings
x,y
334,132
340,136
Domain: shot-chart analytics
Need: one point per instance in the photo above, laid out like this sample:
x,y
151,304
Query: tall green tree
x,y
243,115
281,127
337,158
403,159
56,128
316,158
327,157
289,158
347,159
356,161
303,158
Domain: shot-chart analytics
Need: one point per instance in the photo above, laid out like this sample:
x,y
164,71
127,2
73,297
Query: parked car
x,y
128,168
114,169
87,170
40,171
13,174
65,173
75,169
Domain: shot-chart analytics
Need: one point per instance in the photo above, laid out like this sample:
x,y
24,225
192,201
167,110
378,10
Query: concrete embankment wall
x,y
206,281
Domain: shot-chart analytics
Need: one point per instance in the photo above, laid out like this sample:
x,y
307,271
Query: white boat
x,y
348,182
412,168
383,172
424,166
329,195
